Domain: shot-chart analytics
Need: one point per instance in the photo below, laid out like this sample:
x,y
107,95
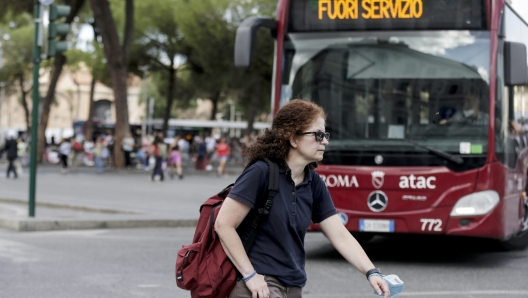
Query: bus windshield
x,y
382,88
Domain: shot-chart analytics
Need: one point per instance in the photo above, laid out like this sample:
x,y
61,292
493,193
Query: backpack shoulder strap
x,y
273,189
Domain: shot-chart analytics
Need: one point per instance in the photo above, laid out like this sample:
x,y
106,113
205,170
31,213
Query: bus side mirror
x,y
515,64
245,38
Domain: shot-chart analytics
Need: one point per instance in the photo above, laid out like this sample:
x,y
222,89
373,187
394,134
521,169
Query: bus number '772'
x,y
431,224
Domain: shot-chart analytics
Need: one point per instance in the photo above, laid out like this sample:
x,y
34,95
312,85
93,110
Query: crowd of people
x,y
204,153
156,153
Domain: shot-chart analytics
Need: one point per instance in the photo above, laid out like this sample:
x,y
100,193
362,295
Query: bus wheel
x,y
363,238
519,241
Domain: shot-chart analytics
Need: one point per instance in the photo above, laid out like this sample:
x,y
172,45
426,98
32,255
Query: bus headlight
x,y
478,203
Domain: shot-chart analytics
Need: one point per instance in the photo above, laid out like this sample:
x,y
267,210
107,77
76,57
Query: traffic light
x,y
59,30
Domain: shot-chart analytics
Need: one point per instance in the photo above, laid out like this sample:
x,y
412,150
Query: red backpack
x,y
203,267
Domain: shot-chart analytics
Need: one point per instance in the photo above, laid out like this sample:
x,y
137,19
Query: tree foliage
x,y
210,29
8,8
160,46
17,46
186,46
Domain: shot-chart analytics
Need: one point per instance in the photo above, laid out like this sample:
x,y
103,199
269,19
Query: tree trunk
x,y
214,99
170,98
116,56
46,105
89,123
58,63
24,103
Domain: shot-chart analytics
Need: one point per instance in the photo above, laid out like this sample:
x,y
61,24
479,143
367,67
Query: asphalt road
x,y
128,191
140,263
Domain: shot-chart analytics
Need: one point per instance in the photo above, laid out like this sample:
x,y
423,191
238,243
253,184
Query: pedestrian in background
x,y
201,153
109,142
77,151
185,147
175,159
159,151
145,147
222,151
99,153
275,263
11,147
64,153
210,142
127,146
22,149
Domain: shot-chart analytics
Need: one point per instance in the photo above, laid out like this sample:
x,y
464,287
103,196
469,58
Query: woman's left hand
x,y
380,286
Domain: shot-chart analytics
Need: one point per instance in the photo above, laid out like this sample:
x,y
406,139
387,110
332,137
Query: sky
x,y
521,6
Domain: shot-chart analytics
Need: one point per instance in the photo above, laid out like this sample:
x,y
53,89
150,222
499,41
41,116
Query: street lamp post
x,y
2,84
34,110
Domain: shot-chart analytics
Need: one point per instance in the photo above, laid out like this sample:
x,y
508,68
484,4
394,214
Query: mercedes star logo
x,y
377,201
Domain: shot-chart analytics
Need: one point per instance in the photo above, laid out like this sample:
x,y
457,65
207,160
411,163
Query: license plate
x,y
376,225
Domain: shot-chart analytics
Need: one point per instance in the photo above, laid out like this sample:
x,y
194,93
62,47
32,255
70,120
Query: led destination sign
x,y
372,9
336,15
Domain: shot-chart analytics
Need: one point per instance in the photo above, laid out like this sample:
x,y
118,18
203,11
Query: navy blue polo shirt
x,y
278,248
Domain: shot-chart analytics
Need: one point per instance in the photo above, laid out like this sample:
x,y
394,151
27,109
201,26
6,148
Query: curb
x,y
39,225
69,207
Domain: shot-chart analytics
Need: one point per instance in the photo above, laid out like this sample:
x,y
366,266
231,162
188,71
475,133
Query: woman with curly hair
x,y
274,265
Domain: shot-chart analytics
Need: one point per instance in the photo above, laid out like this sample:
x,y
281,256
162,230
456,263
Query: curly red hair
x,y
292,119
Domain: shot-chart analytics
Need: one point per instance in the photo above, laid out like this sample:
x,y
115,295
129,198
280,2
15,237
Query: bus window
x,y
385,87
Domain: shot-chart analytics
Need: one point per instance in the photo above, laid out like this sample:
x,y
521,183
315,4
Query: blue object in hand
x,y
395,285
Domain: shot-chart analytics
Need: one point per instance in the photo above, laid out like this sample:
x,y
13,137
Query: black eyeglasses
x,y
319,135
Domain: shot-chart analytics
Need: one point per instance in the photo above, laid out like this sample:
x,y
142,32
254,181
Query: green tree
x,y
159,45
96,62
17,46
209,28
211,38
10,7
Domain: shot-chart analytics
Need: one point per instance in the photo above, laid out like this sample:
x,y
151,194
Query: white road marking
x,y
148,286
495,293
17,252
458,293
70,233
13,210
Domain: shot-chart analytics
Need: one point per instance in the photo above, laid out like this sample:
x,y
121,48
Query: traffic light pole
x,y
34,111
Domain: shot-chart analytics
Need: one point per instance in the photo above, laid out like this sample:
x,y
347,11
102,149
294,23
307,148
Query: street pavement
x,y
140,263
103,262
83,199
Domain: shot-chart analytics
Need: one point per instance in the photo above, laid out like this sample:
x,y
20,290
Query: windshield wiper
x,y
443,154
450,157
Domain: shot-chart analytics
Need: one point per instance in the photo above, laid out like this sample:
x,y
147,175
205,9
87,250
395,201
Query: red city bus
x,y
422,97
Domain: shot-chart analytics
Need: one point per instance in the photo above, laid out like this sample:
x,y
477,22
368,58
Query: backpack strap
x,y
273,189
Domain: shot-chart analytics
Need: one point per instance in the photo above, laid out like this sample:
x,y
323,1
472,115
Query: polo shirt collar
x,y
287,172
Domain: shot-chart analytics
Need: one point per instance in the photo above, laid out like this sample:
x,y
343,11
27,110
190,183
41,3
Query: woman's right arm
x,y
229,218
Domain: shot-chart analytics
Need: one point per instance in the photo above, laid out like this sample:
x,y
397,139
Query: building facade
x,y
72,99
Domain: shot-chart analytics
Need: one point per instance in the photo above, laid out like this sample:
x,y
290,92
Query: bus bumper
x,y
437,221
